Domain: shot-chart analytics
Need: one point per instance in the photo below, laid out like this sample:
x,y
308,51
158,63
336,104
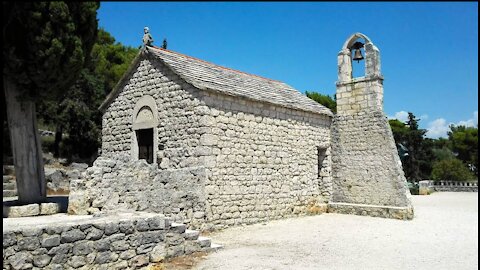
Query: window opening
x,y
321,154
145,144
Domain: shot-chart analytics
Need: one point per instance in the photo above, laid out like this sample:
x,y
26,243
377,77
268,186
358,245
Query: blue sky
x,y
429,51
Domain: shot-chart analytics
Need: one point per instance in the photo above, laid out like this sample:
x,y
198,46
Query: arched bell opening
x,y
357,53
358,58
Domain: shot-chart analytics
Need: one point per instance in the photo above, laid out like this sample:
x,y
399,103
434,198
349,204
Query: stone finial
x,y
147,38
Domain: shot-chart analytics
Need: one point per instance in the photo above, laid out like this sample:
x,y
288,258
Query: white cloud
x,y
423,117
439,127
402,116
472,122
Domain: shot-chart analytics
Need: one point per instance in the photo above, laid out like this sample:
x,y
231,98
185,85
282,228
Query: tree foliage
x,y
46,44
77,113
325,100
417,164
434,157
451,169
464,143
110,59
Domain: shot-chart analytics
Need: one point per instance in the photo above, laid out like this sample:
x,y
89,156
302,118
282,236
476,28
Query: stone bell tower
x,y
367,173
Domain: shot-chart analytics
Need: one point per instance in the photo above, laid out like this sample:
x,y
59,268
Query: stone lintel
x,y
395,212
360,79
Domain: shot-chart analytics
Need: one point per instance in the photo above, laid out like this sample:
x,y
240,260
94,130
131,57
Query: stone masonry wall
x,y
124,241
263,161
178,109
259,161
366,166
114,185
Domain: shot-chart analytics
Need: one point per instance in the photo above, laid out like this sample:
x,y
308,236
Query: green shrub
x,y
451,169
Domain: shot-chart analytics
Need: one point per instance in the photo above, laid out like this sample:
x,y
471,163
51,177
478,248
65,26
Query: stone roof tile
x,y
208,76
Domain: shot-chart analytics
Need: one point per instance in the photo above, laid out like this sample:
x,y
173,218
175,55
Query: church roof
x,y
208,76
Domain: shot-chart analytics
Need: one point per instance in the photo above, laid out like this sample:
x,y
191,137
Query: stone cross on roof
x,y
147,38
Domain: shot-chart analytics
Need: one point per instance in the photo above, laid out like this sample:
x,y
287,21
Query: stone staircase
x,y
193,242
9,181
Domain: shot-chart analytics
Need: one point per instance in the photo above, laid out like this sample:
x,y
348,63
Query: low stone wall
x,y
371,210
425,187
455,186
120,241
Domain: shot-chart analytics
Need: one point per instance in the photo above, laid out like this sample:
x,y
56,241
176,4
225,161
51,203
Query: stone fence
x,y
443,185
121,241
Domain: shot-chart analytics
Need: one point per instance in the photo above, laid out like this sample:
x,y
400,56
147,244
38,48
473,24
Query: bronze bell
x,y
358,55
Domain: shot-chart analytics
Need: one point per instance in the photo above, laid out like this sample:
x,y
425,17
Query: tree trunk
x,y
58,139
26,148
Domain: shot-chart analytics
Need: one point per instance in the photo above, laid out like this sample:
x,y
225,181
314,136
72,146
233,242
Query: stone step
x,y
178,227
214,247
9,193
9,186
8,178
204,242
8,170
191,234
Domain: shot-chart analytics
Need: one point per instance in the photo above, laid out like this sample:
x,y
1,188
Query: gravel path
x,y
443,235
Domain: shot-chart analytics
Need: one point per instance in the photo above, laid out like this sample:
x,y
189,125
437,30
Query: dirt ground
x,y
443,235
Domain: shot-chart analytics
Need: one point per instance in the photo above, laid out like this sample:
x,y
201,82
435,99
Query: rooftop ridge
x,y
200,60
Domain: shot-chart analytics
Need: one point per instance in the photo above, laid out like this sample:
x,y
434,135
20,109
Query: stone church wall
x,y
174,184
178,110
264,161
220,160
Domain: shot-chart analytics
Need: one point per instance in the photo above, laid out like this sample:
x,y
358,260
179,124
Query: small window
x,y
145,144
321,154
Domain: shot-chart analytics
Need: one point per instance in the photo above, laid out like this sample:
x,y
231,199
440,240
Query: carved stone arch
x,y
145,113
144,124
372,59
349,42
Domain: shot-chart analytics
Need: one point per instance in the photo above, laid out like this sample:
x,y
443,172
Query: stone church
x,y
212,147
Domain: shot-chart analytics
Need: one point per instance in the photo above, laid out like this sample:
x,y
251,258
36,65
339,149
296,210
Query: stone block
x,y
138,261
50,241
9,239
72,236
127,254
77,261
94,233
106,257
49,208
28,243
41,260
158,253
82,248
28,210
21,260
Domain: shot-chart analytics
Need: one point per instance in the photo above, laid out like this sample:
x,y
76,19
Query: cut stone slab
x,y
49,208
204,241
191,234
23,211
215,247
179,227
9,193
9,186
